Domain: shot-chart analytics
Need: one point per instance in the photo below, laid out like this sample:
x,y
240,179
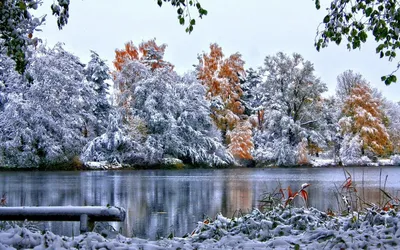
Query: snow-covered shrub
x,y
395,159
109,146
365,160
117,145
350,152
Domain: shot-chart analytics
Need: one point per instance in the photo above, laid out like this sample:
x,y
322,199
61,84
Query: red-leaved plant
x,y
291,196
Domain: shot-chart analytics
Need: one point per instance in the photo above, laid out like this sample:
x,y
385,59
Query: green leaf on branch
x,y
390,79
326,19
368,11
379,48
22,5
317,4
363,36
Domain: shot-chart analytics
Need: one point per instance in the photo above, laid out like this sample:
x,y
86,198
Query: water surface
x,y
159,202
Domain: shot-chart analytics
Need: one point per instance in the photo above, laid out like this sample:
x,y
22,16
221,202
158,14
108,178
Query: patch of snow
x,y
320,162
395,160
171,161
101,165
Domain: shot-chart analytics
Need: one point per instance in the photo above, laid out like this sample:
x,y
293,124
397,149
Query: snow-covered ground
x,y
364,161
281,228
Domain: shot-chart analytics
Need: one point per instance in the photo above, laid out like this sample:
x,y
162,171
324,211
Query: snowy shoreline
x,y
385,162
99,166
280,228
315,162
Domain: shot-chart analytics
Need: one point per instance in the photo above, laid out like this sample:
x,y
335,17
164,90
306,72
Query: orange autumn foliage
x,y
148,53
313,148
302,158
364,117
221,77
241,143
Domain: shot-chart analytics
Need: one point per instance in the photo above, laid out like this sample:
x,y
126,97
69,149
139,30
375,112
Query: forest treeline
x,y
60,111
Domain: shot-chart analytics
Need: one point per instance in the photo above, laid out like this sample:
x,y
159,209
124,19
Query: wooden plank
x,y
62,213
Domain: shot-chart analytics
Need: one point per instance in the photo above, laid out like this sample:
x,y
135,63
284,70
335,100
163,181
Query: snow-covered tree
x,y
46,122
97,73
293,104
346,81
392,115
330,128
362,125
177,117
167,115
149,55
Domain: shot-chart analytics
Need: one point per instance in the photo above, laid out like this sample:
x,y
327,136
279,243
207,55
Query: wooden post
x,y
84,223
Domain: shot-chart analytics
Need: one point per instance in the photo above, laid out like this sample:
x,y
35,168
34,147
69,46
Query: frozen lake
x,y
159,202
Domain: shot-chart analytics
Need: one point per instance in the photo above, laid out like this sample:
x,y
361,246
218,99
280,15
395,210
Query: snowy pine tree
x,y
97,73
251,86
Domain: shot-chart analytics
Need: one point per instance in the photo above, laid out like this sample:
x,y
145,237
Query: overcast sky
x,y
255,28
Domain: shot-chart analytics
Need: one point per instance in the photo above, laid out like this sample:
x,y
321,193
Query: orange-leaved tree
x,y
221,76
240,140
363,117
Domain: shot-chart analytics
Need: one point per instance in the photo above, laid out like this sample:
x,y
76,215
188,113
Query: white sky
x,y
255,28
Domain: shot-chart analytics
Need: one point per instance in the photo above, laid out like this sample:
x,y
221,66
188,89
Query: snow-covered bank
x,y
101,165
281,228
363,161
176,163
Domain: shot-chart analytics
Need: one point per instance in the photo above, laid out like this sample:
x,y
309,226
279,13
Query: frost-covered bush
x,y
117,145
395,159
365,160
